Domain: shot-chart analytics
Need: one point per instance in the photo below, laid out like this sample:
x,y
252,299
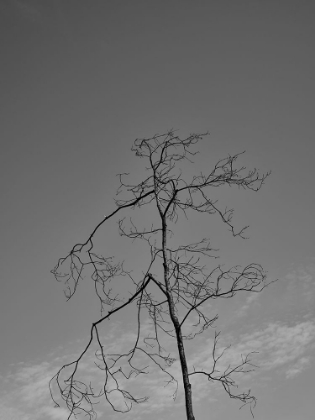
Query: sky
x,y
80,81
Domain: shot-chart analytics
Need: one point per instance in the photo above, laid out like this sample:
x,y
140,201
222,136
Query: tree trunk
x,y
183,363
179,337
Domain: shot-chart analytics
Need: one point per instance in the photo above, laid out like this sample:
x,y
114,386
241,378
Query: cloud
x,y
298,367
26,390
253,297
302,282
9,412
285,349
54,413
27,396
279,346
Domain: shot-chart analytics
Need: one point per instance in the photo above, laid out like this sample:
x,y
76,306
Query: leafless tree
x,y
178,293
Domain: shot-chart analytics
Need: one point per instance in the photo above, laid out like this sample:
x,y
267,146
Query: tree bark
x,y
174,318
184,367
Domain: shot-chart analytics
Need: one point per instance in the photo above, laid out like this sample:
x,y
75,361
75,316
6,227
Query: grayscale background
x,y
79,81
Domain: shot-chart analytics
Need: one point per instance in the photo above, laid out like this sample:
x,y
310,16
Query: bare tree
x,y
178,293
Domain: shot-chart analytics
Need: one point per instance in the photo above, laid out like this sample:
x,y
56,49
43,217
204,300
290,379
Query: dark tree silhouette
x,y
186,281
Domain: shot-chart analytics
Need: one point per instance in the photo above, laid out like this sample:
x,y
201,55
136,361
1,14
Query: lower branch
x,y
226,377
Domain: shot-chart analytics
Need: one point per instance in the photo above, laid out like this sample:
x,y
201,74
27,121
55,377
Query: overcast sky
x,y
80,80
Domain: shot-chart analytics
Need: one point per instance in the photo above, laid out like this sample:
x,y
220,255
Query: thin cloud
x,y
298,367
26,391
284,348
250,300
9,412
302,281
279,345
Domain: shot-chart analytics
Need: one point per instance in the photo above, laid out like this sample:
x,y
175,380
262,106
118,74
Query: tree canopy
x,y
177,279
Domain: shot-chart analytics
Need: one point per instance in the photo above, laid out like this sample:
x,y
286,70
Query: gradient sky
x,y
80,80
